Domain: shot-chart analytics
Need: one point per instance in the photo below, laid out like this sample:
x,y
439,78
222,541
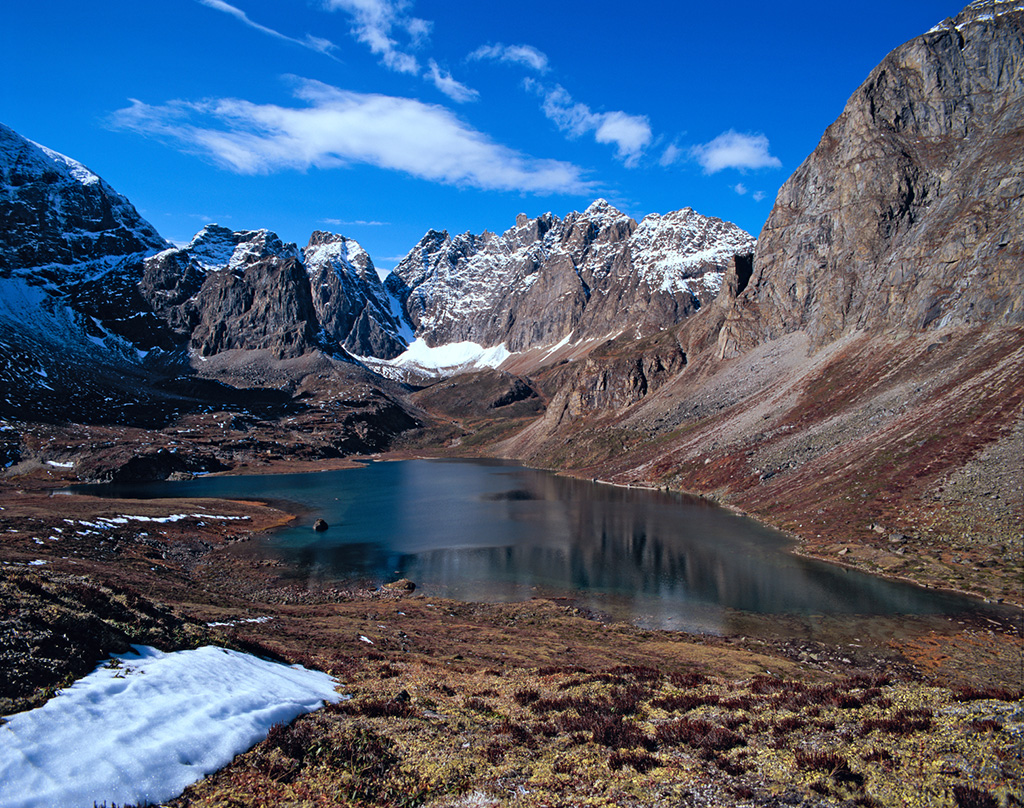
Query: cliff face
x,y
58,220
351,304
591,274
909,213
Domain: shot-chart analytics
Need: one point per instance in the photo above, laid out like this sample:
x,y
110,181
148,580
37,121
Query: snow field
x,y
145,725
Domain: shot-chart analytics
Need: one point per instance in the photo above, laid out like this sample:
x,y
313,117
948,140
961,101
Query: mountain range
x,y
854,376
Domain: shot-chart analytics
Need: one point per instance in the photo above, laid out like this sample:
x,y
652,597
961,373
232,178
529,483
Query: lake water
x,y
495,531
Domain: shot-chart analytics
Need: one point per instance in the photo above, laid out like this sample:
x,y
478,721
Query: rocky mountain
x,y
227,290
859,383
907,216
59,222
249,290
352,306
545,280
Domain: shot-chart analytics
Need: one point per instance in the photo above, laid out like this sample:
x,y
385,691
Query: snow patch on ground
x,y
146,725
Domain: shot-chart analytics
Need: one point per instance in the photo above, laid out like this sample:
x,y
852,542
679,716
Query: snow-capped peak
x,y
217,248
670,251
978,11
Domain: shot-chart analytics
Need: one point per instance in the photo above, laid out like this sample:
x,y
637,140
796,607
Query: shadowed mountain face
x,y
908,215
58,220
857,380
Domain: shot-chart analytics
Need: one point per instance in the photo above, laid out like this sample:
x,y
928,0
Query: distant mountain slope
x,y
909,214
591,274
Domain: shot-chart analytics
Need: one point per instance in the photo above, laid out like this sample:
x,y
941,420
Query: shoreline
x,y
797,545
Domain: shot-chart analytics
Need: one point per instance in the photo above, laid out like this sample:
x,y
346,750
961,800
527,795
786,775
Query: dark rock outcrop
x,y
350,301
268,306
908,215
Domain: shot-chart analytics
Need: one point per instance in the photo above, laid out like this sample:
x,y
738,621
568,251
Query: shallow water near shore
x,y
495,531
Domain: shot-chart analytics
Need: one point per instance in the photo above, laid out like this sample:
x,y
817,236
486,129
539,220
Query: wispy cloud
x,y
740,188
525,55
758,196
630,133
338,128
356,223
375,23
733,149
318,44
671,155
455,90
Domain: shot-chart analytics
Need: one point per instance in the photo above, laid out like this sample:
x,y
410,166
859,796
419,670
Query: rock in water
x,y
320,525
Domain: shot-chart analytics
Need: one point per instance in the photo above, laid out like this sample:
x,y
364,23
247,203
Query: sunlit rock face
x,y
909,214
592,274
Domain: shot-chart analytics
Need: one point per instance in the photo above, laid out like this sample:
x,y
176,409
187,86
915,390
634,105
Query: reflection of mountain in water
x,y
495,531
542,534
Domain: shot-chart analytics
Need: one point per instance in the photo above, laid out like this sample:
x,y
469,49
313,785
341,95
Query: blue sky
x,y
380,119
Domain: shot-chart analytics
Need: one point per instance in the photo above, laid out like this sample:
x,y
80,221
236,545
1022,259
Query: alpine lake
x,y
493,531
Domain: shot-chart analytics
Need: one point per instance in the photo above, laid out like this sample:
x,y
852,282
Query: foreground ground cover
x,y
535,703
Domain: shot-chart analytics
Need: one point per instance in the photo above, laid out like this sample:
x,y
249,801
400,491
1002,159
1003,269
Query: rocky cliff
x,y
591,274
908,215
351,304
59,222
859,384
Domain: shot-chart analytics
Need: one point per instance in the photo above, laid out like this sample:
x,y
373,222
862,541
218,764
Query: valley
x,y
853,377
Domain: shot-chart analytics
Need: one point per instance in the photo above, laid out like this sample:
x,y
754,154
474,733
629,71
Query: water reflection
x,y
492,531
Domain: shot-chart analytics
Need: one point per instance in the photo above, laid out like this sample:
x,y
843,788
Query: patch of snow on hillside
x,y
451,357
146,725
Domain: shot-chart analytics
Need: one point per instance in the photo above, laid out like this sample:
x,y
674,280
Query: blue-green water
x,y
495,531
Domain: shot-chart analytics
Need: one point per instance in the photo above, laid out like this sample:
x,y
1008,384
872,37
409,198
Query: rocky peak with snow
x,y
352,306
592,274
217,248
59,222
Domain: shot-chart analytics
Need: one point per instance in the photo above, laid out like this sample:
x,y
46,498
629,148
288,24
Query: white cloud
x,y
758,196
671,154
525,55
455,90
733,149
376,20
740,188
630,133
318,44
338,128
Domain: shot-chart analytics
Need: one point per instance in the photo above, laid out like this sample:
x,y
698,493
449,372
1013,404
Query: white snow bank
x,y
144,730
453,356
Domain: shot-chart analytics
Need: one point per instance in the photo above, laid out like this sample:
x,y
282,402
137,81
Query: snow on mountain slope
x,y
70,250
216,248
684,251
59,222
589,274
